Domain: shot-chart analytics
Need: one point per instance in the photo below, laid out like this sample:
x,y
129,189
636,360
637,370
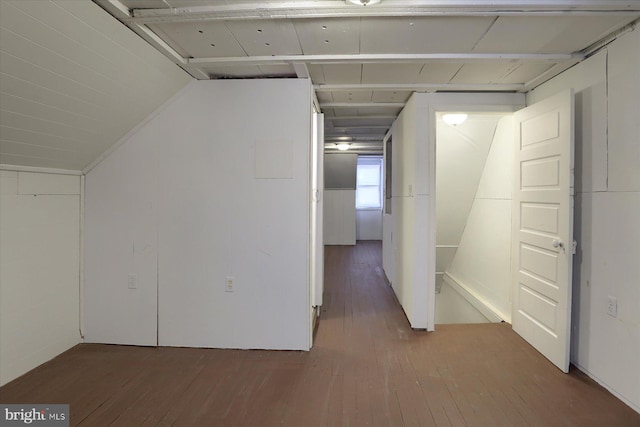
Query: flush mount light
x,y
454,119
342,146
363,2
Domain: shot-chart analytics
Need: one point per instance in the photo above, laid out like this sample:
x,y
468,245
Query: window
x,y
369,182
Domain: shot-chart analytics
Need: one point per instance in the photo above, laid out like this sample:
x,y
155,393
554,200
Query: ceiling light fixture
x,y
343,146
363,2
454,119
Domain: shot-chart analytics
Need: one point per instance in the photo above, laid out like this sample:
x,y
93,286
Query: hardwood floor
x,y
367,368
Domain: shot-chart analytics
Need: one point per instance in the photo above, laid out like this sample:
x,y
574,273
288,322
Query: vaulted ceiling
x,y
73,80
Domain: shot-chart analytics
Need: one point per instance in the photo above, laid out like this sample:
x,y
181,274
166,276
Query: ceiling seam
x,y
485,33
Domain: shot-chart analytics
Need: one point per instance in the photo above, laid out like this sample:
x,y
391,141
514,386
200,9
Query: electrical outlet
x,y
132,282
612,307
229,284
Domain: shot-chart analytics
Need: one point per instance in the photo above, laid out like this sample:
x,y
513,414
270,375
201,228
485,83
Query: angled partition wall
x,y
197,226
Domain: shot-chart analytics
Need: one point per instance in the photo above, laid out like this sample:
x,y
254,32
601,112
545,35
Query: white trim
x,y
418,87
380,58
361,104
480,303
81,264
329,9
137,128
606,386
35,169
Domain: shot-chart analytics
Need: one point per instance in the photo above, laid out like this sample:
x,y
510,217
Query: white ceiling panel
x,y
480,73
76,135
316,73
550,34
352,96
361,122
15,134
329,36
284,70
324,97
330,112
342,73
77,118
265,37
390,73
31,137
74,81
438,73
199,40
422,34
583,32
28,150
526,72
390,96
221,71
378,111
345,111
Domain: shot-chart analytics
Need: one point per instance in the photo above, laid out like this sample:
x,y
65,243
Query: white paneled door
x,y
543,226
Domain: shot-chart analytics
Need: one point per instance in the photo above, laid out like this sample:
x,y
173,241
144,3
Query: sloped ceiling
x,y
73,81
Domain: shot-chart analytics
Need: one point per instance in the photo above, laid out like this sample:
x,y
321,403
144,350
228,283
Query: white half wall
x,y
368,224
39,265
607,208
339,217
222,175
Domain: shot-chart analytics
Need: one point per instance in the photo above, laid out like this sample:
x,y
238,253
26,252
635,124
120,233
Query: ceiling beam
x,y
359,118
346,128
361,104
413,8
354,138
381,58
121,12
426,87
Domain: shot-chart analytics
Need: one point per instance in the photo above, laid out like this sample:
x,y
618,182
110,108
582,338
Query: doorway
x,y
473,217
541,239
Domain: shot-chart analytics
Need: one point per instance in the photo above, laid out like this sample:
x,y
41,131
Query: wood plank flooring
x,y
367,368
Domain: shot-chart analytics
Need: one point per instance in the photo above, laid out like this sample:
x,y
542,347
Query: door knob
x,y
557,243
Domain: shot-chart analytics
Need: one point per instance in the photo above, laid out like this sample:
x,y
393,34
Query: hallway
x,y
367,367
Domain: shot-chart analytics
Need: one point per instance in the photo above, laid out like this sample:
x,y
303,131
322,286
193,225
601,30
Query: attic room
x,y
180,242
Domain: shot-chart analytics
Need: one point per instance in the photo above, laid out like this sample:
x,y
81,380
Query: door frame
x,y
436,103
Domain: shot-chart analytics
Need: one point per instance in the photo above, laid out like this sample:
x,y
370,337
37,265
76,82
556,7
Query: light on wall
x,y
454,119
363,2
342,146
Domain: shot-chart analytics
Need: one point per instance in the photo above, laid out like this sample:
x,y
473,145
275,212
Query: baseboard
x,y
606,386
487,310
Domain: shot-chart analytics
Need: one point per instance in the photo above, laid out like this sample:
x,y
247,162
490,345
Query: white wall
x,y
413,218
222,174
121,239
482,263
461,152
39,265
368,224
339,217
607,208
398,237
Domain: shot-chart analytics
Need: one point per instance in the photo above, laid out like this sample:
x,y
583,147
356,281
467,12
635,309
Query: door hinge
x,y
574,247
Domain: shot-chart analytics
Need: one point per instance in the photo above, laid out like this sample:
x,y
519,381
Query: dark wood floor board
x,y
367,368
